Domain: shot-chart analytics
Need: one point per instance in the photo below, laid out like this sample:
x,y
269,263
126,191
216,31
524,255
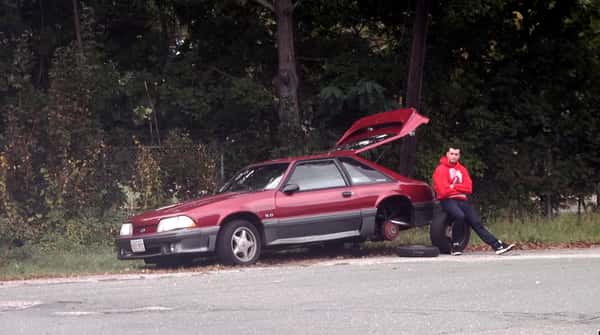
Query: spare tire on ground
x,y
417,251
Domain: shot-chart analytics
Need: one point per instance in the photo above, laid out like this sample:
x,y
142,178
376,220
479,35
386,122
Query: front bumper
x,y
184,241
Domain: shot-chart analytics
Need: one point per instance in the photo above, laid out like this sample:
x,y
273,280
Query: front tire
x,y
239,243
440,232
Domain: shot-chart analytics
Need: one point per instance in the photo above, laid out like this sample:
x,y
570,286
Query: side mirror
x,y
290,188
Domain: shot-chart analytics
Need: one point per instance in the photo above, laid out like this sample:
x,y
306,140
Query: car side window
x,y
317,175
256,178
361,174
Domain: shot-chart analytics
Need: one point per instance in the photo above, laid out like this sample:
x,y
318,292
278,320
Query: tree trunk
x,y
164,33
286,80
43,50
408,147
548,172
41,64
77,28
153,118
597,197
548,206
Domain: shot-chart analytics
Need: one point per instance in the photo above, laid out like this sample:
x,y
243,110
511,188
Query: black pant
x,y
463,213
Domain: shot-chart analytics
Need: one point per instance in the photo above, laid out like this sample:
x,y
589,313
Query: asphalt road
x,y
549,292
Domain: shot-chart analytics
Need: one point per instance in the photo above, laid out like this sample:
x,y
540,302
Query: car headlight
x,y
126,229
176,222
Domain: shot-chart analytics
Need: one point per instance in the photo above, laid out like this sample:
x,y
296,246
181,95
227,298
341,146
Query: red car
x,y
331,196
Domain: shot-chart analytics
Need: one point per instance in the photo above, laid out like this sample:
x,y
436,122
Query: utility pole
x,y
408,149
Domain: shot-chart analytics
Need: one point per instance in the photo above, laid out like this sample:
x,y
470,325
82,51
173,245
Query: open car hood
x,y
374,130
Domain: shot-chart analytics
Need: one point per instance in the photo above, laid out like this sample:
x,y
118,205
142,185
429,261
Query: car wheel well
x,y
246,216
402,203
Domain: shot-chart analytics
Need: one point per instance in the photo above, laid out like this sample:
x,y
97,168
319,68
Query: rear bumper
x,y
185,241
423,213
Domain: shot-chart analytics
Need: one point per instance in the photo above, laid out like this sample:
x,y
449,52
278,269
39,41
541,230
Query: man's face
x,y
453,155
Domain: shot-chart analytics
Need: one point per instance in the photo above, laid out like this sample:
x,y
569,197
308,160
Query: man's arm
x,y
440,183
466,186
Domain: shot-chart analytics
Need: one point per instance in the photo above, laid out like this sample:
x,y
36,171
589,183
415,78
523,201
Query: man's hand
x,y
452,186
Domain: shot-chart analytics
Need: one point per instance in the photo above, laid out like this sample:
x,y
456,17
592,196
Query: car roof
x,y
323,155
339,153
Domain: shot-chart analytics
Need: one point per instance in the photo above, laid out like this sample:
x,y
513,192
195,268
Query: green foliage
x,y
54,158
19,163
86,230
12,225
178,170
188,170
340,106
529,133
147,179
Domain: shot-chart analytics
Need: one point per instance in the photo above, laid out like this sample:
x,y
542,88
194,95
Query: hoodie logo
x,y
456,176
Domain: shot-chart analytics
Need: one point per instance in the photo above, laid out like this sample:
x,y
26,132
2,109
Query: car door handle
x,y
346,194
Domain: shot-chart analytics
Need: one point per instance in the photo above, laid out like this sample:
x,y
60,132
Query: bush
x,y
188,170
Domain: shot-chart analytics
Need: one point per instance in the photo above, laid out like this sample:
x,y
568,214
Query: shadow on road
x,y
304,255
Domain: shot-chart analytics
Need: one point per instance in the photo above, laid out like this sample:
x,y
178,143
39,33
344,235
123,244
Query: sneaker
x,y
454,250
504,248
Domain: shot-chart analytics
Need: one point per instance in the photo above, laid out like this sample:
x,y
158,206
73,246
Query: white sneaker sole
x,y
505,250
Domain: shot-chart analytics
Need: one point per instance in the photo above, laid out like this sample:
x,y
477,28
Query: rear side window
x,y
317,175
362,174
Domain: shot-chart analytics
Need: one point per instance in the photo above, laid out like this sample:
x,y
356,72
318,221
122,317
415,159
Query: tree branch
x,y
266,3
312,59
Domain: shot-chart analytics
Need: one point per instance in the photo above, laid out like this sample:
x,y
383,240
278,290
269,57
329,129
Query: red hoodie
x,y
447,174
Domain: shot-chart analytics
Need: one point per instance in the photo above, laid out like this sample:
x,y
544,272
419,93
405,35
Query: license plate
x,y
137,245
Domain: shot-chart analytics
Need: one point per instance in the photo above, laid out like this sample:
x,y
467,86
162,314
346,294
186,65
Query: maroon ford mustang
x,y
326,197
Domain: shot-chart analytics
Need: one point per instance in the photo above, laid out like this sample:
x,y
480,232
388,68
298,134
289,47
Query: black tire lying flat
x,y
418,251
440,232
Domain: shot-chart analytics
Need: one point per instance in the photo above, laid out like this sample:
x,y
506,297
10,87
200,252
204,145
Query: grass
x,y
31,262
565,229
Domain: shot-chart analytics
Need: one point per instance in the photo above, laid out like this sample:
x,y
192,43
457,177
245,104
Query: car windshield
x,y
256,178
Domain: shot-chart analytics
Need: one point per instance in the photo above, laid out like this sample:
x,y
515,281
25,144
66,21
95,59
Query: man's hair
x,y
453,147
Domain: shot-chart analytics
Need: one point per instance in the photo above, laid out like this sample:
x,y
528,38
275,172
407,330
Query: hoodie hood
x,y
444,160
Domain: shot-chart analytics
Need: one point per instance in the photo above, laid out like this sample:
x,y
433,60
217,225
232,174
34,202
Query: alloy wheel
x,y
243,244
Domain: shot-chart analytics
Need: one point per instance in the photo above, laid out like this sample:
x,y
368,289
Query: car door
x,y
321,207
367,183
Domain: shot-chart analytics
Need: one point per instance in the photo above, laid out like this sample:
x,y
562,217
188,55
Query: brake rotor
x,y
390,230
